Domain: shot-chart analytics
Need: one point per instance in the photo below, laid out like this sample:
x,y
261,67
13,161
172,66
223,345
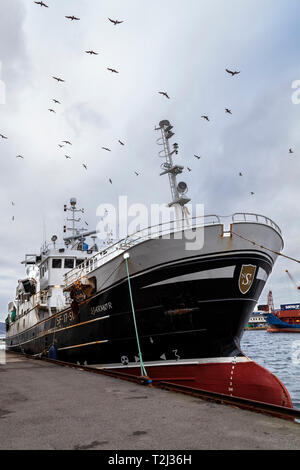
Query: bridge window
x,y
56,263
69,263
79,261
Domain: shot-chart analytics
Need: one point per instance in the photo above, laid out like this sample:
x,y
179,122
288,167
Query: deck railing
x,y
155,231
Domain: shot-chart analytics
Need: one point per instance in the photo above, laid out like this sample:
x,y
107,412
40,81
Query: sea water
x,y
279,353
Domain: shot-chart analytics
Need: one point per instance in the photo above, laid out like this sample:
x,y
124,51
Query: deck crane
x,y
292,279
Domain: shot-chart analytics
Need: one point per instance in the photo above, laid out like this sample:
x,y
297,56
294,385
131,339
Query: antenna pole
x,y
75,231
178,191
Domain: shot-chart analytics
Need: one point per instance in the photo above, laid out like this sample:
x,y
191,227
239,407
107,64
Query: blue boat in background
x,y
286,320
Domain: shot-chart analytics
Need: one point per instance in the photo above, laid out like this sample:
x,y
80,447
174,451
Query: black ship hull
x,y
190,311
198,318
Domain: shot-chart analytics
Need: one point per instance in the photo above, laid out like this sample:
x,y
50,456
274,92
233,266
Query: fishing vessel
x,y
169,301
284,320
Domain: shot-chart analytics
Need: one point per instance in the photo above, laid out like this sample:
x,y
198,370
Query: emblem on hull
x,y
246,277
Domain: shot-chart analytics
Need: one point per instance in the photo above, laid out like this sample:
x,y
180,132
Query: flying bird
x,y
240,174
56,101
228,111
231,72
120,142
12,203
115,22
91,52
72,18
205,117
86,223
84,166
51,110
112,70
189,168
196,156
19,156
252,193
291,151
105,148
42,4
67,156
13,218
58,79
164,94
137,174
60,145
66,142
110,181
3,136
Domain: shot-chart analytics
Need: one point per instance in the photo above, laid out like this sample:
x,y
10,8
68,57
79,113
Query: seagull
x,y
189,168
72,18
66,142
12,203
164,94
112,70
228,111
86,223
240,174
19,156
110,181
56,101
291,151
137,174
51,110
205,117
120,142
252,193
196,156
3,136
60,145
13,218
42,4
105,148
91,52
115,22
231,72
67,156
58,79
84,166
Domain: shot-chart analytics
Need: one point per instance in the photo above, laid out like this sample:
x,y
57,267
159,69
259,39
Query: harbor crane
x,y
292,279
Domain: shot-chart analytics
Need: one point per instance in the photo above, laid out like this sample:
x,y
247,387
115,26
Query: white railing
x,y
257,218
156,231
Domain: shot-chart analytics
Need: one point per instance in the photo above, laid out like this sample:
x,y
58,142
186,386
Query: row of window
x,y
58,263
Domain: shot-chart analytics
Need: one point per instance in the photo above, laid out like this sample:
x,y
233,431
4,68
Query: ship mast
x,y
178,191
75,231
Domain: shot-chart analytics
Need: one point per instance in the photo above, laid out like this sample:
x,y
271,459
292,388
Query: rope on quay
x,y
145,379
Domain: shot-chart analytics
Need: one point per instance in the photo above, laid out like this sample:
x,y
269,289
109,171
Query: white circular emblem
x,y
124,360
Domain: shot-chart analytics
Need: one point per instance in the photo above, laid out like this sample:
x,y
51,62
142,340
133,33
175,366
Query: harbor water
x,y
280,354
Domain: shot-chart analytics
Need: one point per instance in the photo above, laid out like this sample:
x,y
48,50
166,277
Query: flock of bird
x,y
112,70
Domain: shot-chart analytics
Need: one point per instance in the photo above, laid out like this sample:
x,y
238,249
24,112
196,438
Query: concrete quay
x,y
45,406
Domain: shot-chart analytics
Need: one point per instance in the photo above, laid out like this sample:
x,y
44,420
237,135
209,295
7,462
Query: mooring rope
x,y
143,370
265,248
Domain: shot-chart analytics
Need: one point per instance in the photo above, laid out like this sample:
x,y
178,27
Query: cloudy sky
x,y
179,47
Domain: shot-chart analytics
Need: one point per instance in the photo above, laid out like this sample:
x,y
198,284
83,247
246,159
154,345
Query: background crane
x,y
292,279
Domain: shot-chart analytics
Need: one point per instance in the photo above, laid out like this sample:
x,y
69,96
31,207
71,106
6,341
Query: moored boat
x,y
170,300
